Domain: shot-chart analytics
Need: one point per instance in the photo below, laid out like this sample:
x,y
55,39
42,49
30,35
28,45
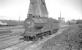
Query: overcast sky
x,y
13,9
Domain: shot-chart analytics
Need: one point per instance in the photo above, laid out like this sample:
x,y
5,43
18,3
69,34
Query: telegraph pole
x,y
19,20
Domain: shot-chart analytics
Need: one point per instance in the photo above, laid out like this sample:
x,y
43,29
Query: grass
x,y
71,39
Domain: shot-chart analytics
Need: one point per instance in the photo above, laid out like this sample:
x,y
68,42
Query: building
x,y
38,8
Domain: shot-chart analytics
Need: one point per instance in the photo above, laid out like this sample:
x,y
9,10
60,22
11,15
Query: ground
x,y
68,39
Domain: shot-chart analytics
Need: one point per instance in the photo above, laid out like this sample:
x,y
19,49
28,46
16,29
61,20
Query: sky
x,y
15,9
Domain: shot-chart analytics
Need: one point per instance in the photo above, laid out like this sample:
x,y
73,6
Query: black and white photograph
x,y
40,24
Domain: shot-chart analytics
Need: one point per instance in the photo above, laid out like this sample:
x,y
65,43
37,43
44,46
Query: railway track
x,y
38,44
24,45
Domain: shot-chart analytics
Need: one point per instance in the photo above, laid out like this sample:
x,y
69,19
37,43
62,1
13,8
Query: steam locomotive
x,y
37,27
